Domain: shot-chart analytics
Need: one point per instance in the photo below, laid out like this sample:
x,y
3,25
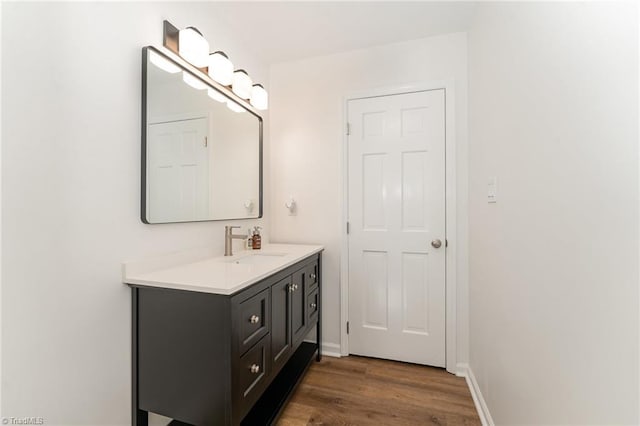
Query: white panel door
x,y
396,211
178,171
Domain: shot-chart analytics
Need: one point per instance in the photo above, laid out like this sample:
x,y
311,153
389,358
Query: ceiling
x,y
286,31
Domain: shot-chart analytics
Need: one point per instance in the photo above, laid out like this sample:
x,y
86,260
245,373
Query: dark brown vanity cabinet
x,y
210,359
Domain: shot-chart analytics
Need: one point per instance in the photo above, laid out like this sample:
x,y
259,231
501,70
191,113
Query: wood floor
x,y
365,391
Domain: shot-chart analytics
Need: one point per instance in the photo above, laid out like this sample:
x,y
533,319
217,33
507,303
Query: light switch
x,y
492,190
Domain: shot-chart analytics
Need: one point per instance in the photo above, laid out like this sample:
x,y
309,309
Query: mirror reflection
x,y
202,150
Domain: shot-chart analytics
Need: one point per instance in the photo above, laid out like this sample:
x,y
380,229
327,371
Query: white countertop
x,y
199,270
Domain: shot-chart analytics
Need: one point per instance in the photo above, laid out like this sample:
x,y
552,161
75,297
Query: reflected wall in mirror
x,y
201,150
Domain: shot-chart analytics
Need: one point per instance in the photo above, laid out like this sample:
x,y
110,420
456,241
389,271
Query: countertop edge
x,y
139,281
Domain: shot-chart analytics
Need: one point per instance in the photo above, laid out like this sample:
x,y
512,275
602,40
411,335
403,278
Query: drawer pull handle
x,y
254,319
313,306
312,276
255,368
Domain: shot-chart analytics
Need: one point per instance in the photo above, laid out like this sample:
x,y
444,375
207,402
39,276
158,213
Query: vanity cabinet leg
x,y
138,417
319,324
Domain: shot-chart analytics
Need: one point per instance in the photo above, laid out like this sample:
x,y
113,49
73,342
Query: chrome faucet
x,y
228,238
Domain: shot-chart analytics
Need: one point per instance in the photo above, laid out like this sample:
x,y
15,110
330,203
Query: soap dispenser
x,y
257,239
249,240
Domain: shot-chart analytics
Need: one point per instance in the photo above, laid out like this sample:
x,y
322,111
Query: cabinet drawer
x,y
313,305
253,320
252,374
311,276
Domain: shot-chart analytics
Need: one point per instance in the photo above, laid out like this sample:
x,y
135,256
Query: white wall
x,y
553,113
307,107
71,84
1,313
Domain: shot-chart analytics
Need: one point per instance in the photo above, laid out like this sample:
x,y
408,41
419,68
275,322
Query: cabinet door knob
x,y
254,319
313,306
295,287
312,276
255,368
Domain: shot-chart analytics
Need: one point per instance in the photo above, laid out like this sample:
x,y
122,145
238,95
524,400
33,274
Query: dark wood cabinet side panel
x,y
184,366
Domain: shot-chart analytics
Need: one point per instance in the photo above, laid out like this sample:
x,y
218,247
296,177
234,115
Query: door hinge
x,y
347,228
347,327
348,129
206,141
446,243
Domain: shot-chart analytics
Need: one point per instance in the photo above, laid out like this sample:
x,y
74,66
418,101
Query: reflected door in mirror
x,y
178,165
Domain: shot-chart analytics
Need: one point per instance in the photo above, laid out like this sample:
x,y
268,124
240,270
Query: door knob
x,y
436,243
255,368
254,319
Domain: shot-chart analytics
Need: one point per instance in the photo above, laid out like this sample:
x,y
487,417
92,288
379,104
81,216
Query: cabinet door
x,y
298,306
280,323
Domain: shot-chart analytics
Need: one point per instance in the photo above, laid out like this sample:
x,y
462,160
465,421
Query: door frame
x,y
450,212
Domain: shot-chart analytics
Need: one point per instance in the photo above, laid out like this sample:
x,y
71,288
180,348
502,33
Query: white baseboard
x,y
463,370
331,349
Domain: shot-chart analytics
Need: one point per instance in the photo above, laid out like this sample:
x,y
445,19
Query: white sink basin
x,y
257,258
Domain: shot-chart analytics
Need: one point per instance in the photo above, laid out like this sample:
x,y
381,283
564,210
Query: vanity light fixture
x,y
241,85
259,97
193,47
193,81
234,106
162,63
221,68
216,96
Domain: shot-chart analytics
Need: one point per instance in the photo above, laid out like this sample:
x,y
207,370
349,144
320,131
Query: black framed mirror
x,y
201,148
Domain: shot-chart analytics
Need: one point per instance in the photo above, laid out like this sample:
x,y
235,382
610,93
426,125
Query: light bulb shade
x,y
241,85
193,47
259,97
234,106
216,96
221,68
192,81
163,63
